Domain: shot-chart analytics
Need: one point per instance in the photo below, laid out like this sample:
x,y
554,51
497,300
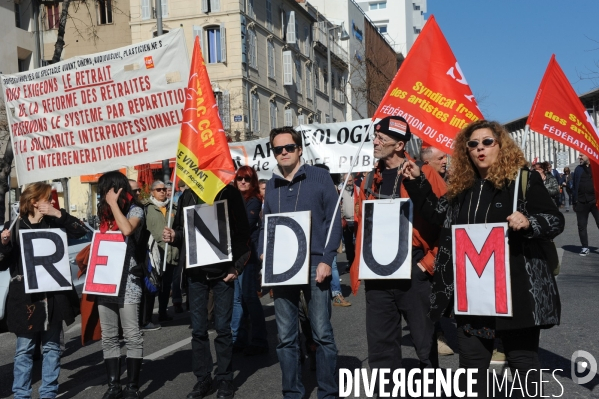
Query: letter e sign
x,y
106,264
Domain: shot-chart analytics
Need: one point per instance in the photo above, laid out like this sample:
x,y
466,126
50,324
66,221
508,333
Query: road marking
x,y
172,348
75,327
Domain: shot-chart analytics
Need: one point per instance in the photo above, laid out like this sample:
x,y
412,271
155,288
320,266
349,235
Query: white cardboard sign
x,y
481,270
45,258
386,239
207,235
287,248
106,264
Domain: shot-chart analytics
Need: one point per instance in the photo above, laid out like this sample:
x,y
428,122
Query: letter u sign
x,y
481,270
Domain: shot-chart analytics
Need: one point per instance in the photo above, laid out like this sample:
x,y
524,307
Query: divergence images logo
x,y
582,361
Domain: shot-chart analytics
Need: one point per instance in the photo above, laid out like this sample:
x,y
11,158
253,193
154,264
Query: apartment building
x,y
17,41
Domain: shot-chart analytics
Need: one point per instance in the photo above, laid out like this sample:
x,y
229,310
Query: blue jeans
x,y
21,386
201,358
318,298
246,303
335,283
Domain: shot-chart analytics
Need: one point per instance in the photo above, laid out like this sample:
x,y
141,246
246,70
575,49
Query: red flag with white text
x,y
430,91
558,113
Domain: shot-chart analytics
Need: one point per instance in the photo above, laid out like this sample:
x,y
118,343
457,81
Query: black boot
x,y
133,368
113,370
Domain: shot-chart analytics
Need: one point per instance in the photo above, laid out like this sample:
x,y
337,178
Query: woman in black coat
x,y
40,313
484,168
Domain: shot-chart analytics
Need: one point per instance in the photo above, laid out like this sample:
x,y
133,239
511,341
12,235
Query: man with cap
x,y
388,300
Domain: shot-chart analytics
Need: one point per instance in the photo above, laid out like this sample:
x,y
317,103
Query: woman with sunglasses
x,y
485,164
119,210
42,313
246,301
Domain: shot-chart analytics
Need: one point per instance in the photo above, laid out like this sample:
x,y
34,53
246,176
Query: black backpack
x,y
148,256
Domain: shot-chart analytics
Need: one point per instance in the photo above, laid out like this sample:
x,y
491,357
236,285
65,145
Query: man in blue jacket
x,y
297,187
583,200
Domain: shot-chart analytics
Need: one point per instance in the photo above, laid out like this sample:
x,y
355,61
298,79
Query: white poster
x,y
286,249
207,235
481,270
106,264
101,112
386,239
45,257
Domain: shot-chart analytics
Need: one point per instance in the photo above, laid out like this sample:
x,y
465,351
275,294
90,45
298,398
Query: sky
x,y
503,47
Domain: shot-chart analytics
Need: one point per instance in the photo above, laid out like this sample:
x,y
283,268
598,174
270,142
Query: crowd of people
x,y
478,187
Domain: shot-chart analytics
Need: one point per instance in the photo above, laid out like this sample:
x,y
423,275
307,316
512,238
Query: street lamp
x,y
344,37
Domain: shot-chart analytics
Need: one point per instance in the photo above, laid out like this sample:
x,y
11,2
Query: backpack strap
x,y
524,182
368,187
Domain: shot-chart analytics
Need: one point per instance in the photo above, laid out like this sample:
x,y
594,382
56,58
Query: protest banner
x,y
106,264
101,112
333,144
386,239
558,113
207,235
481,270
287,248
430,91
45,257
203,159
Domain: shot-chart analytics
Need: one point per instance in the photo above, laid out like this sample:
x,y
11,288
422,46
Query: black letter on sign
x,y
402,248
220,246
273,222
46,261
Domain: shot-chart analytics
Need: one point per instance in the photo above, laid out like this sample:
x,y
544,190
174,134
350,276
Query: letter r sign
x,y
481,270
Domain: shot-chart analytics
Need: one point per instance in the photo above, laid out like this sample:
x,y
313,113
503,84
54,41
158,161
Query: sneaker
x,y
584,252
498,357
339,300
254,350
151,327
200,389
442,346
226,390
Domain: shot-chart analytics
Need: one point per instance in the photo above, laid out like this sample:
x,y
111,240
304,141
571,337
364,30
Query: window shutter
x,y
308,82
287,68
300,119
271,58
298,76
291,28
197,31
164,5
288,117
214,5
223,43
145,9
205,8
269,15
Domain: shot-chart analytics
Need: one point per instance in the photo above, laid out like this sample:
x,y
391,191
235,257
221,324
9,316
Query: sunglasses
x,y
288,148
488,142
244,178
161,190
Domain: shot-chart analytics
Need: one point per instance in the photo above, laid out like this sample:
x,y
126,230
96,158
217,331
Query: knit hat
x,y
394,126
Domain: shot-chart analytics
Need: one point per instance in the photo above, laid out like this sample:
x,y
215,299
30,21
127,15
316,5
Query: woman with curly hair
x,y
485,164
118,210
246,301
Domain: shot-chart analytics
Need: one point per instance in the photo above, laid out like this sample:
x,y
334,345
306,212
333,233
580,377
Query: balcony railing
x,y
320,36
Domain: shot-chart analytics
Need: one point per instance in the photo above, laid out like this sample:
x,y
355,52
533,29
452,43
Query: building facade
x,y
17,41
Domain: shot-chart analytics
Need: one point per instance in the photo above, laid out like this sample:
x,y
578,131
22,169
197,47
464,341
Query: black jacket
x,y
238,226
27,313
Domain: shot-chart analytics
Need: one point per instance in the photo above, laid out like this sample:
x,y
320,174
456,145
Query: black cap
x,y
394,126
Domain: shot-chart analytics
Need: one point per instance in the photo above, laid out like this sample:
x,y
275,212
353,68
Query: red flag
x,y
430,91
558,113
203,159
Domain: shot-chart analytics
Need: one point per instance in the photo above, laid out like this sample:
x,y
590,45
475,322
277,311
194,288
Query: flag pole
x,y
168,224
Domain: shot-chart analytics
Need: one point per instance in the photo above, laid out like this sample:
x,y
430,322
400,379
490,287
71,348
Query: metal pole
x,y
166,170
36,22
525,138
330,83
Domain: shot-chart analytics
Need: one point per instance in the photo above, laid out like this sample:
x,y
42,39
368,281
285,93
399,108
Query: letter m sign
x,y
481,270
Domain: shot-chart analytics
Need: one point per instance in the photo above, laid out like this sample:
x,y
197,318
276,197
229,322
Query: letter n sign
x,y
287,248
481,270
207,235
45,260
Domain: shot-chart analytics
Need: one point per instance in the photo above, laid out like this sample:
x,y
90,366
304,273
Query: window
x,y
252,48
105,11
273,115
145,9
222,100
288,117
53,16
378,6
209,5
287,68
301,119
270,47
307,41
383,28
251,12
164,5
416,30
341,91
317,77
269,15
326,118
216,44
308,82
17,15
416,7
325,81
291,28
298,76
255,108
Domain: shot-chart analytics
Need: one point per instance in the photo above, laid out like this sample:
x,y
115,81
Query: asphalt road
x,y
166,372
